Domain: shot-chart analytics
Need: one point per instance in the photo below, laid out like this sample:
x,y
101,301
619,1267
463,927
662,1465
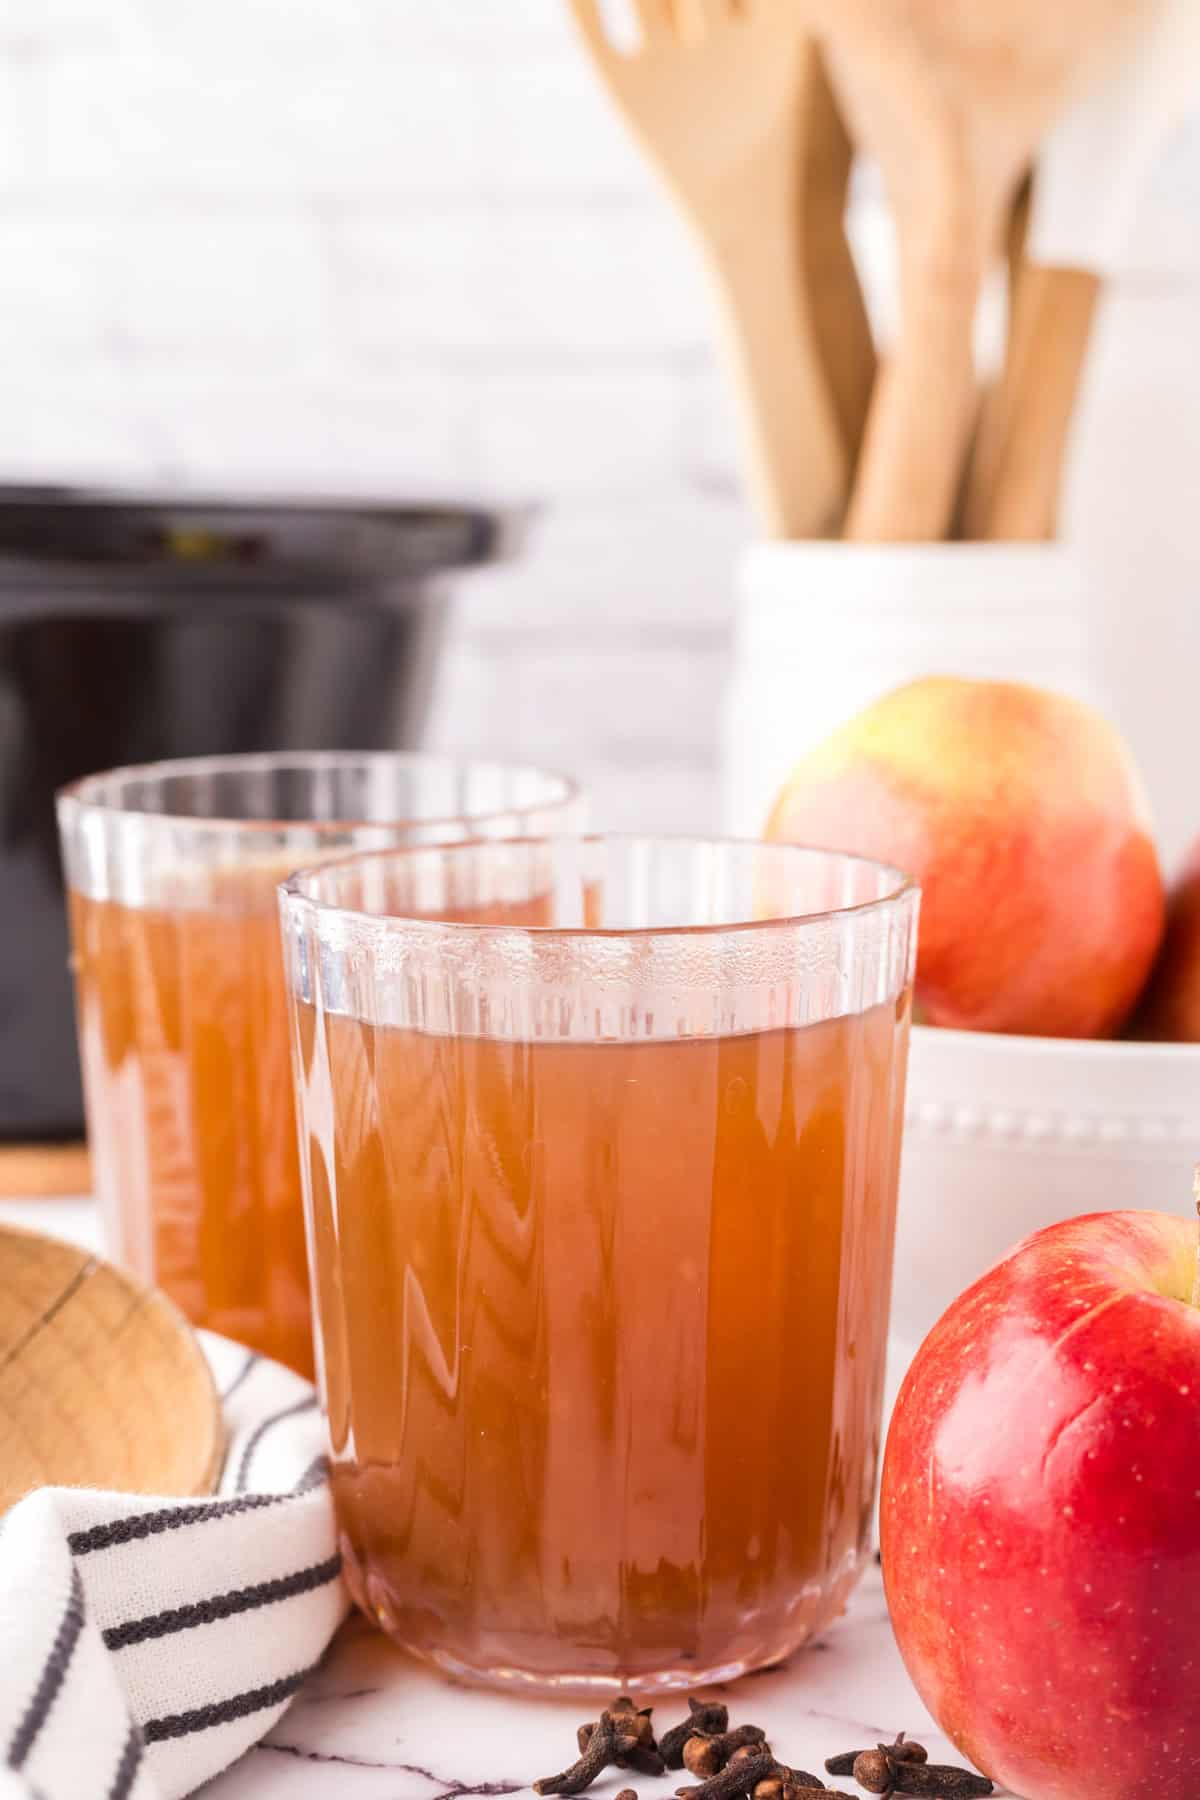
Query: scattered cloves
x,y
740,1765
705,1718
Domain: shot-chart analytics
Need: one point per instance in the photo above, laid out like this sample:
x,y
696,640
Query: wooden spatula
x,y
1090,176
952,99
102,1381
717,93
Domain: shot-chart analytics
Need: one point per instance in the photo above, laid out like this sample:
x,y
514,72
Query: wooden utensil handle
x,y
798,470
840,322
1017,470
921,411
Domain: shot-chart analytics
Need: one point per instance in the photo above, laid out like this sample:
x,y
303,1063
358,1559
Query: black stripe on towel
x,y
168,1518
53,1674
130,1763
251,1363
260,1431
313,1476
223,1712
135,1526
223,1606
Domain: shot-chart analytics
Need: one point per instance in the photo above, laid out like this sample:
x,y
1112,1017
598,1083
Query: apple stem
x,y
1196,1278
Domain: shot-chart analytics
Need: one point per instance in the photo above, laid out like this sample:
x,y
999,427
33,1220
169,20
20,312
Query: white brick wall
x,y
388,244
397,244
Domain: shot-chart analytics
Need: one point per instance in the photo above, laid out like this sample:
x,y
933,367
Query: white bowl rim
x,y
1082,1050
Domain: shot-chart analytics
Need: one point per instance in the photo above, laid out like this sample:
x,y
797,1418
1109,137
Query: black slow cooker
x,y
136,627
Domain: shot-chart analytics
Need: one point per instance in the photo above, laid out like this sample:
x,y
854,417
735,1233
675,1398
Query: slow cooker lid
x,y
69,533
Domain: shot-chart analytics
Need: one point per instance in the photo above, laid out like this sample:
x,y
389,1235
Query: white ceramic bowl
x,y
1007,1134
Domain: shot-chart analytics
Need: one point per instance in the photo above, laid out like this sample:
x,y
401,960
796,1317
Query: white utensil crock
x,y
822,629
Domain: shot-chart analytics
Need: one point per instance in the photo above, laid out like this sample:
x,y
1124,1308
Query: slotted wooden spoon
x,y
102,1382
717,94
952,99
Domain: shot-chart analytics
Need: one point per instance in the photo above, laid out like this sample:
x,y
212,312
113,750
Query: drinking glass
x,y
171,871
599,1143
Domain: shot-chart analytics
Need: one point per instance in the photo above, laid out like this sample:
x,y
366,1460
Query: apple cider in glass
x,y
182,1009
601,1219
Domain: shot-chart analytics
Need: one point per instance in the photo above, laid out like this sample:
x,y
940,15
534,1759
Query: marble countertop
x,y
372,1724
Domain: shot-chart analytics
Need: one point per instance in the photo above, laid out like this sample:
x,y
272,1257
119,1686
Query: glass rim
x,y
85,793
291,895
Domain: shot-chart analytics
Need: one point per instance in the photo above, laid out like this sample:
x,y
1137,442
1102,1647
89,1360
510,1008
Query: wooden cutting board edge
x,y
44,1171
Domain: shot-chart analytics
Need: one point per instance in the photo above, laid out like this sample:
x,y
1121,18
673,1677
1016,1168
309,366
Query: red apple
x,y
1171,1007
1040,1514
1021,814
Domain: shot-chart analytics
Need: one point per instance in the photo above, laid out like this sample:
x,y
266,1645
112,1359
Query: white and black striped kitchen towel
x,y
146,1643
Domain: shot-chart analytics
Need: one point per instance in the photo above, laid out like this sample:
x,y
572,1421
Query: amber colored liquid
x,y
184,1036
603,1331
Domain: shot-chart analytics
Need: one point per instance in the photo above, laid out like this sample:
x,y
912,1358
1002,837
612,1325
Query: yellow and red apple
x,y
1022,815
1040,1514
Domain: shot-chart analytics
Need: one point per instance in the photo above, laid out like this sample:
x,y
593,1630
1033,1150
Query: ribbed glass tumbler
x,y
171,871
600,1143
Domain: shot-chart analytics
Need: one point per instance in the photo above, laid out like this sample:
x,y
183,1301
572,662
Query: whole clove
x,y
790,1784
705,1718
842,1763
735,1779
704,1755
744,1752
881,1771
873,1771
905,1749
938,1781
644,1759
606,1744
635,1724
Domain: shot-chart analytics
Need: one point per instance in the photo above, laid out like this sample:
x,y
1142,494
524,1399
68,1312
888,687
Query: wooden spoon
x,y
952,99
102,1382
716,92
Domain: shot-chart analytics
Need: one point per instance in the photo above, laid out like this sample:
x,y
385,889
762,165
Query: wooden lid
x,y
102,1382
